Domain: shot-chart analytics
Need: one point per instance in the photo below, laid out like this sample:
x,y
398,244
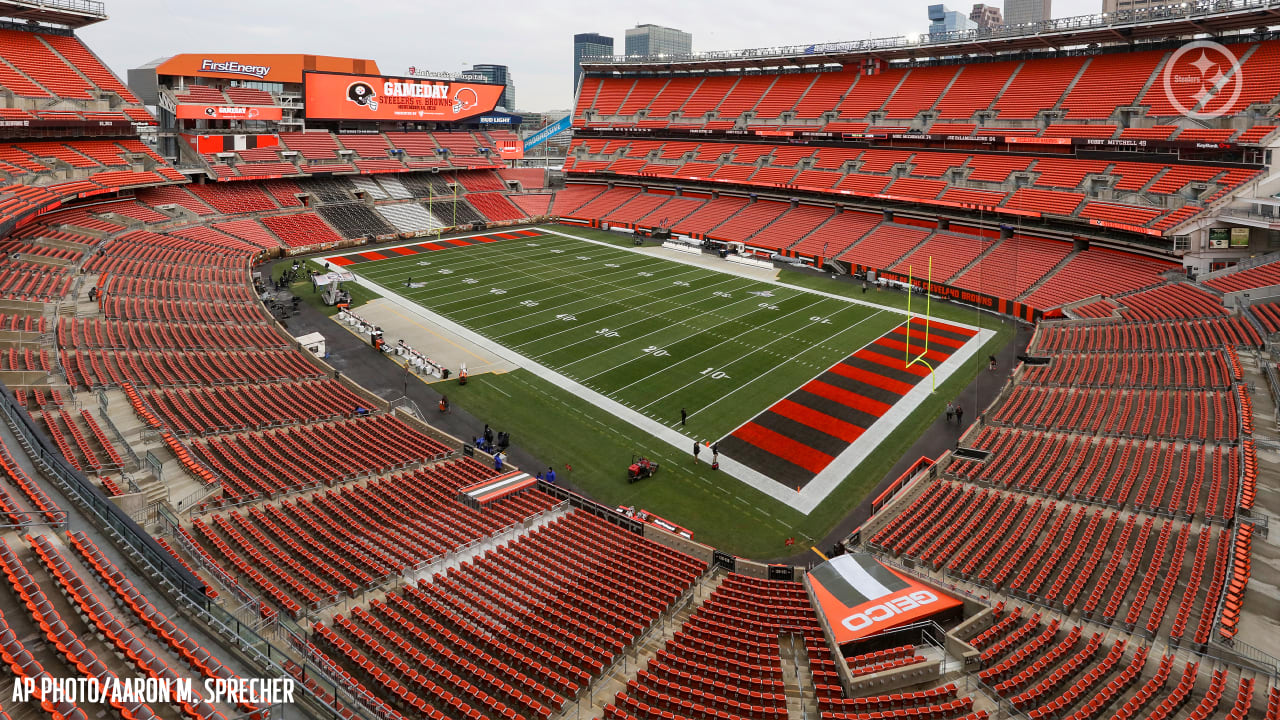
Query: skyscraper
x,y
1110,6
651,39
499,75
942,20
986,16
1021,12
588,45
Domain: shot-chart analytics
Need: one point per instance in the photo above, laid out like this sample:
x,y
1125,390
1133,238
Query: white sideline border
x,y
806,500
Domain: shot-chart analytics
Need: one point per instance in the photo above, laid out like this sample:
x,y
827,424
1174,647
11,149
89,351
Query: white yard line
x,y
732,338
509,293
508,309
492,261
470,268
730,269
804,501
406,266
772,369
651,332
766,372
594,283
624,311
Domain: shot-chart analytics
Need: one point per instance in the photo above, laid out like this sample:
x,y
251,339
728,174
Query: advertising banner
x,y
547,133
266,67
1127,227
950,292
861,597
208,144
1240,237
335,96
510,149
228,112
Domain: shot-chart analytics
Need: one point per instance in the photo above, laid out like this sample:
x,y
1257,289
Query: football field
x,y
651,334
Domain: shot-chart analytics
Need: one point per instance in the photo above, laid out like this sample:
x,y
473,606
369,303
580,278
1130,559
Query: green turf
x,y
652,334
762,367
822,281
562,428
303,289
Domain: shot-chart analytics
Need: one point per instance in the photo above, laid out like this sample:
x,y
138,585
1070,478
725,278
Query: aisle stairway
x,y
602,691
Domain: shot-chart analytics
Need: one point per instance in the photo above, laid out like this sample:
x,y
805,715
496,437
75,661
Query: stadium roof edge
x,y
1188,19
66,13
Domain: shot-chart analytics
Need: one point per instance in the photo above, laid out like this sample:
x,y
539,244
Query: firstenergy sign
x,y
861,597
231,67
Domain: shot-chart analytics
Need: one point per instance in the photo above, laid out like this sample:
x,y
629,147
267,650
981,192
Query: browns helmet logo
x,y
464,100
361,93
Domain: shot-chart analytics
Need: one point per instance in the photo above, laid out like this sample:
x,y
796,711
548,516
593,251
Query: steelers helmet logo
x,y
361,93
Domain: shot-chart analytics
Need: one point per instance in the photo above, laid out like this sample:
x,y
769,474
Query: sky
x,y
533,37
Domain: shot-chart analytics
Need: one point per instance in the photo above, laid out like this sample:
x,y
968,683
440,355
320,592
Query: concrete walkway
x,y
430,339
384,377
76,522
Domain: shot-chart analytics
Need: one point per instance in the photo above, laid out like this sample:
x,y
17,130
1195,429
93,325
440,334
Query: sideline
x,y
805,501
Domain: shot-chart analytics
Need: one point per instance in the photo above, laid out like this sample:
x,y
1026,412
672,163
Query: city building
x,y
1110,6
588,45
499,75
649,39
1021,12
986,16
942,20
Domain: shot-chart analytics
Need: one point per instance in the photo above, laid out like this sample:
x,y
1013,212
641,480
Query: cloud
x,y
534,38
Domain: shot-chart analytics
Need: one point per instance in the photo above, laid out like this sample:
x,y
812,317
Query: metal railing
x,y
119,436
195,497
243,633
1259,661
1273,382
1245,264
408,405
82,6
178,583
816,51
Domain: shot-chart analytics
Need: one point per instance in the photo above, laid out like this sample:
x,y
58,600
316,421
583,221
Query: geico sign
x,y
888,609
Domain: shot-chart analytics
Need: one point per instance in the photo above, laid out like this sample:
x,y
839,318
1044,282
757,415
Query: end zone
x,y
822,481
